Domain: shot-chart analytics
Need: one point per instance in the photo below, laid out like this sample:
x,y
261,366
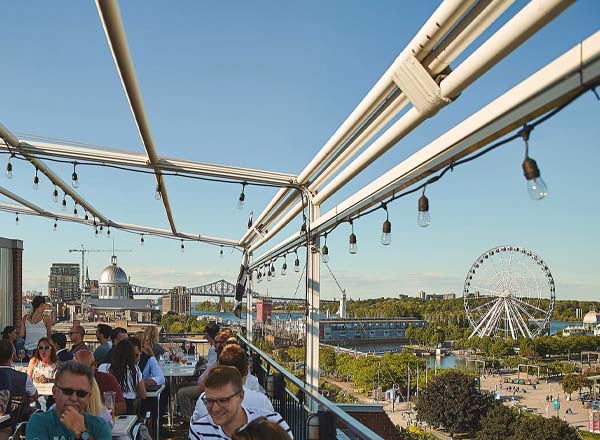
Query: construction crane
x,y
83,251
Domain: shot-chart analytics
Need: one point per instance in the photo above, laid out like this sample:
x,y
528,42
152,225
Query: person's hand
x,y
42,378
149,382
73,420
147,347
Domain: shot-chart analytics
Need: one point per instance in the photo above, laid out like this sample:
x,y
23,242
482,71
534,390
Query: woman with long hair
x,y
153,336
35,325
43,363
124,368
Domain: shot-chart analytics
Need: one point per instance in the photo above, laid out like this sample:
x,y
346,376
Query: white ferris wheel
x,y
509,291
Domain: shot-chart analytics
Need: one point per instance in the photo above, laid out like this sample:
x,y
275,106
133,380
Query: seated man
x,y
117,335
105,381
60,344
77,334
234,356
103,336
21,385
223,400
71,392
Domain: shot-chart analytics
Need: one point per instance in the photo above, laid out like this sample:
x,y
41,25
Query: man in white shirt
x,y
234,356
223,400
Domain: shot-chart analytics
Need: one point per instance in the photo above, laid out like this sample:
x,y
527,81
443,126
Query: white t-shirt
x,y
252,400
205,428
105,368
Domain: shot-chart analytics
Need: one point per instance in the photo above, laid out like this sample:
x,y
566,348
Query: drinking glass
x,y
21,355
109,402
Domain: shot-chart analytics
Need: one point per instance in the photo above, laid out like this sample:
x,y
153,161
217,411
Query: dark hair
x,y
59,339
6,351
79,329
115,332
212,328
105,330
38,301
222,375
7,330
74,367
261,429
123,364
234,356
36,353
135,342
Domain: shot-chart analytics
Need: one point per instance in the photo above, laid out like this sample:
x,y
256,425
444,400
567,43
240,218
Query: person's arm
x,y
203,377
32,363
141,388
22,332
157,376
48,323
31,390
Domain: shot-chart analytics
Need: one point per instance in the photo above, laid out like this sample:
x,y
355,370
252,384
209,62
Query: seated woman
x,y
10,333
124,367
43,363
188,348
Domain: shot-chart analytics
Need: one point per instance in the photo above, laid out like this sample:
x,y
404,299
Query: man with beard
x,y
71,391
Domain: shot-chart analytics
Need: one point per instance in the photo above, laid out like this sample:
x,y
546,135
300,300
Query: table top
x,y
123,425
155,393
176,369
4,418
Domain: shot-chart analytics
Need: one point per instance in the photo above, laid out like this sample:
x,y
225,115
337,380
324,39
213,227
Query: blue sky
x,y
264,85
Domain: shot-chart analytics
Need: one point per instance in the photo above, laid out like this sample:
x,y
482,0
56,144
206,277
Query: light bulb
x,y
74,180
296,265
221,253
269,275
182,247
75,211
284,268
386,233
158,193
536,187
353,248
55,225
423,218
36,181
101,230
272,270
325,254
96,232
259,278
17,219
303,228
64,204
241,199
55,195
108,232
142,240
9,172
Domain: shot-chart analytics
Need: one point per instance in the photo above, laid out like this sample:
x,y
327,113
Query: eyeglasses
x,y
69,392
222,402
256,421
44,347
70,333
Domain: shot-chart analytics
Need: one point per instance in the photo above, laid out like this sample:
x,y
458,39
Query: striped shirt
x,y
205,428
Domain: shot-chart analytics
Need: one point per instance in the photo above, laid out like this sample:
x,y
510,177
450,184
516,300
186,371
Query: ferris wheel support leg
x,y
493,322
526,333
483,320
509,319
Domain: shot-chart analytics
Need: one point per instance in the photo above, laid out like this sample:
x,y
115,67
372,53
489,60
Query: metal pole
x,y
312,319
249,323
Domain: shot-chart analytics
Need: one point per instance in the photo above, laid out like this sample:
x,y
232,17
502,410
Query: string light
x,y
55,194
303,227
86,218
108,231
273,270
9,167
182,247
64,202
158,193
242,197
325,251
142,240
221,252
353,248
259,277
17,219
55,224
36,180
386,233
75,210
268,273
101,229
74,180
96,231
536,187
284,267
250,219
423,219
296,263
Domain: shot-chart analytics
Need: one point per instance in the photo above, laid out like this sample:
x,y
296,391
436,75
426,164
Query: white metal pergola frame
x,y
420,76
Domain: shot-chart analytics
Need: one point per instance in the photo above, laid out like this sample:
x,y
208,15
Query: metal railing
x,y
290,398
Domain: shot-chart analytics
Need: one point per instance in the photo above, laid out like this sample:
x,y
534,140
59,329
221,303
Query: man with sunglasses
x,y
226,414
68,420
77,334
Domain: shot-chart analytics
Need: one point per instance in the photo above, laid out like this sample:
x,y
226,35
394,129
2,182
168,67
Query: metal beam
x,y
115,34
84,153
568,76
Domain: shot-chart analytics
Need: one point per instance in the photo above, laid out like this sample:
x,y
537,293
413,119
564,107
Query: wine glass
x,y
21,355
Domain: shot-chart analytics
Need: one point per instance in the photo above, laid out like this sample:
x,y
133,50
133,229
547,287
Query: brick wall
x,y
17,256
378,422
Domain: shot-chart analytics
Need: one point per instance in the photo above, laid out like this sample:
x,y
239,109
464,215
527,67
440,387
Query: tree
x,y
540,428
499,422
451,400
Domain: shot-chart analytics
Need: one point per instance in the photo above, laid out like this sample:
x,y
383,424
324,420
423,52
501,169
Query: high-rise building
x,y
178,301
10,281
63,285
264,307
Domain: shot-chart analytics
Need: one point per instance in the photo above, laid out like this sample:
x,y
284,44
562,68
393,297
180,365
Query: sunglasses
x,y
223,402
74,333
44,347
69,392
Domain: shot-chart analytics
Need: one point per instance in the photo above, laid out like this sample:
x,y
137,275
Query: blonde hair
x,y
95,405
152,334
141,335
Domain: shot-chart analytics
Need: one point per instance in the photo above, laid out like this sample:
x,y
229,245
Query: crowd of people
x,y
223,401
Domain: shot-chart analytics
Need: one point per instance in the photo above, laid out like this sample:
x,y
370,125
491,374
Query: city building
x,y
110,310
343,311
11,278
178,301
264,307
355,330
590,326
113,282
63,284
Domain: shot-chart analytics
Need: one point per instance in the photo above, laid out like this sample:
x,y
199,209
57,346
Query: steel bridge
x,y
219,289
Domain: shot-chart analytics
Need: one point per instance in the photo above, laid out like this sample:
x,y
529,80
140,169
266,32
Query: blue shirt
x,y
42,426
101,352
153,371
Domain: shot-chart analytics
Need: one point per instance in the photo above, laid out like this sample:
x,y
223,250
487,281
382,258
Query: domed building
x,y
591,320
113,282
